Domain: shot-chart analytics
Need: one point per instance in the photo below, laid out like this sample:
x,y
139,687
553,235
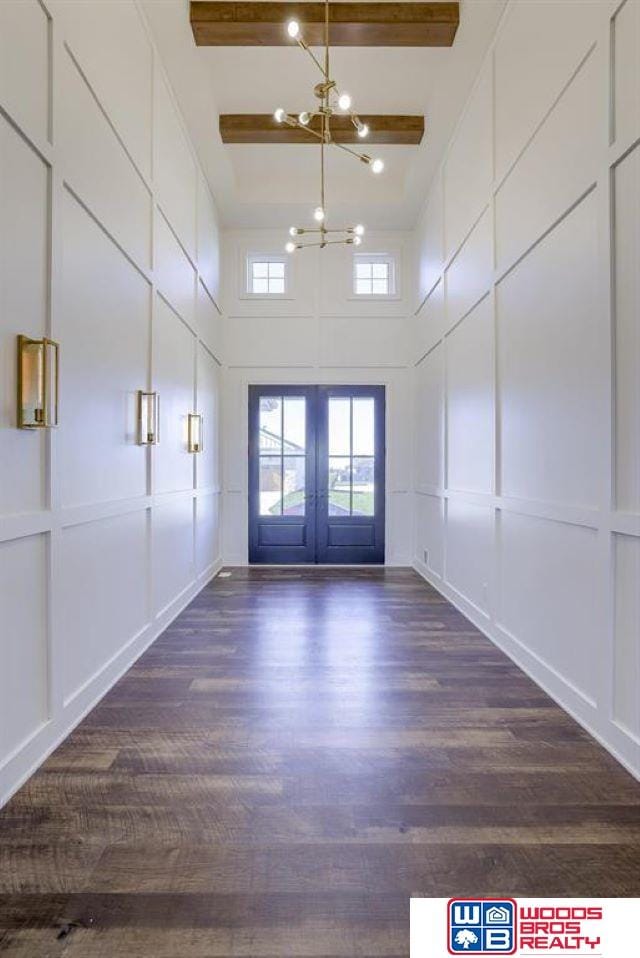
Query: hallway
x,y
296,755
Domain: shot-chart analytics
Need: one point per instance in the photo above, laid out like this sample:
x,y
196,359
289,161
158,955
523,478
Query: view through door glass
x,y
316,474
351,456
282,455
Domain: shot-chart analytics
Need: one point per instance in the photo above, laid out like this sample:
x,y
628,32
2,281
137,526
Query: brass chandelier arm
x,y
303,46
342,229
364,157
342,242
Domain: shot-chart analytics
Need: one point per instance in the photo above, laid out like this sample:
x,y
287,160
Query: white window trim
x,y
249,259
393,262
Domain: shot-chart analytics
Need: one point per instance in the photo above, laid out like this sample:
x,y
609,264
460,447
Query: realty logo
x,y
481,926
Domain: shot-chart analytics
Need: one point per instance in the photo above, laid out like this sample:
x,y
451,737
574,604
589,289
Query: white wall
x,y
319,333
108,244
527,435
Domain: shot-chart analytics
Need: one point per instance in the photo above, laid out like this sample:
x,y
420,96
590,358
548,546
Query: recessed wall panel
x,y
173,377
175,169
549,595
532,65
469,166
626,694
470,410
551,368
207,531
208,240
430,532
104,329
23,640
469,276
23,309
99,170
208,377
99,36
530,200
469,549
430,321
429,441
356,341
173,554
210,322
24,65
627,332
626,76
175,275
430,240
103,599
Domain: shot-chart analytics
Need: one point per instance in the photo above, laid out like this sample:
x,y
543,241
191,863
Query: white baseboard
x,y
622,746
25,760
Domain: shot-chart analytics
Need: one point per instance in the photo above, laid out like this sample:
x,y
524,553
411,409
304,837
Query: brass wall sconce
x,y
38,382
148,418
194,438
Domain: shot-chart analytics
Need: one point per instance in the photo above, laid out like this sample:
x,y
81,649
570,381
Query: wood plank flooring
x,y
297,755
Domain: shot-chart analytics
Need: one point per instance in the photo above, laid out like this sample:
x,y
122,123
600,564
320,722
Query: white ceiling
x,y
270,185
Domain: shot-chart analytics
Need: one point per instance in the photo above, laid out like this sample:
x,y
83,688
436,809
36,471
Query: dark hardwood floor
x,y
297,755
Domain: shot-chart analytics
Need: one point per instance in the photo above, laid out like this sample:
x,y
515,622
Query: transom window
x,y
266,275
373,275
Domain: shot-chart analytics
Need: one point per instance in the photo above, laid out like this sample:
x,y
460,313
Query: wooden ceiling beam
x,y
262,24
262,128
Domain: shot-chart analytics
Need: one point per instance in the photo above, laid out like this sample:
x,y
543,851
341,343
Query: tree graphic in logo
x,y
466,937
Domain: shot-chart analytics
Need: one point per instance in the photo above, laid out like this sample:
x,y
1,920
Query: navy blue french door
x,y
316,474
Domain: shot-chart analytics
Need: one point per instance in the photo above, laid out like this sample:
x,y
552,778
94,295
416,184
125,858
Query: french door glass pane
x,y
339,486
270,424
363,432
339,427
294,425
363,486
270,486
293,499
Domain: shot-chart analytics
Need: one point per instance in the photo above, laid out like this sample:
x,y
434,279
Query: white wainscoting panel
x,y
25,65
469,168
627,331
626,701
550,367
24,203
558,562
173,550
104,329
469,276
469,545
173,370
23,640
470,409
104,593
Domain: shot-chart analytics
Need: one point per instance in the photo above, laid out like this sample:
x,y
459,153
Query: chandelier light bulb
x,y
363,130
344,101
304,117
279,115
377,166
293,29
359,229
293,231
357,240
290,247
318,214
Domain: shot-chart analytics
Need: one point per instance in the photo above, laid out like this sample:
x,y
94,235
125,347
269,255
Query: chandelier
x,y
332,101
